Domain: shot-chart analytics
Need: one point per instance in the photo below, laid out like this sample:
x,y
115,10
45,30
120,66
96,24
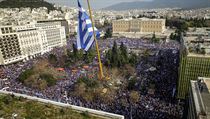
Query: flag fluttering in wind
x,y
85,35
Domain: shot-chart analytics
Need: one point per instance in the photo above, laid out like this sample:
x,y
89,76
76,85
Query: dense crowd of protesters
x,y
161,104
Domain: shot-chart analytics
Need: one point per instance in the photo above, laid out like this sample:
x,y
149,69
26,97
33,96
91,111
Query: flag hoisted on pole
x,y
87,34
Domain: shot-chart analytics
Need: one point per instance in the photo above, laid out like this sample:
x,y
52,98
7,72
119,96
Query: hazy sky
x,y
96,4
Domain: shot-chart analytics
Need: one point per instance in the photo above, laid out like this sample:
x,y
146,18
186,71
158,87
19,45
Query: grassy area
x,y
41,76
26,109
91,89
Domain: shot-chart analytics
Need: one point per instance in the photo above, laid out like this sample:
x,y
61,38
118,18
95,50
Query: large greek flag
x,y
85,36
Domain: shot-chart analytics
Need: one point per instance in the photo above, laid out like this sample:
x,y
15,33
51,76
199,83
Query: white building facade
x,y
30,41
24,42
143,25
55,34
10,50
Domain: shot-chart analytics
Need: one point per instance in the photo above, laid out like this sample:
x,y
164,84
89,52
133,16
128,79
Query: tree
x,y
172,36
75,51
119,17
153,36
89,82
26,3
86,115
69,58
123,54
184,26
134,97
133,60
106,23
146,53
77,54
108,57
108,33
25,75
48,78
115,55
154,39
134,17
131,84
119,57
89,56
7,100
86,88
203,51
52,59
177,35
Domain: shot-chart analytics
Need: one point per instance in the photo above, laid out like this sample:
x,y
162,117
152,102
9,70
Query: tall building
x,y
24,42
55,34
30,41
61,22
199,99
194,62
10,50
143,25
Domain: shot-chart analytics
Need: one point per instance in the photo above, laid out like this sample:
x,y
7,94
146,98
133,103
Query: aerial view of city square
x,y
104,59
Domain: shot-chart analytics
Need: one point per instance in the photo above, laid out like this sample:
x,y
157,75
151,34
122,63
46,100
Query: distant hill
x,y
25,3
185,4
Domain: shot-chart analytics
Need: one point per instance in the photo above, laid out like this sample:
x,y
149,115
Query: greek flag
x,y
85,36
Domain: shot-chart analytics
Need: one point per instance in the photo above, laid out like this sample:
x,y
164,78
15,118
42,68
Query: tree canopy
x,y
155,39
108,33
80,55
26,3
118,57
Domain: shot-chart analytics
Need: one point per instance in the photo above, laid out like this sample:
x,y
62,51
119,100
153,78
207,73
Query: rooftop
x,y
197,41
197,45
141,19
198,31
198,55
207,82
201,97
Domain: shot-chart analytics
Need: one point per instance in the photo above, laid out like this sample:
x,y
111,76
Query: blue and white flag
x,y
85,36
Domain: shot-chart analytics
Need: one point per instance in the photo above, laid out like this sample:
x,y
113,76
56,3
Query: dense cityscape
x,y
155,63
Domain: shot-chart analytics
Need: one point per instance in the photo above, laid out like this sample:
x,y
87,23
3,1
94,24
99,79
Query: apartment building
x,y
61,22
24,42
194,62
55,34
30,40
10,50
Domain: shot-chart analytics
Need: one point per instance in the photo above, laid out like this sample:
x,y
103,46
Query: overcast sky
x,y
96,4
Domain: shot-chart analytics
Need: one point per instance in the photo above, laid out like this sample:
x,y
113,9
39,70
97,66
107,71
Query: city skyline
x,y
98,4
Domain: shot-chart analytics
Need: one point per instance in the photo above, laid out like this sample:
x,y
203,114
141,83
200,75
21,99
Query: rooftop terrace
x,y
197,45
